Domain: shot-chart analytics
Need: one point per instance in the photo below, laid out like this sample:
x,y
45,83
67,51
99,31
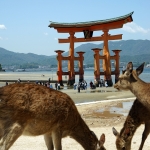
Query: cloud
x,y
45,33
1,38
134,28
55,38
2,26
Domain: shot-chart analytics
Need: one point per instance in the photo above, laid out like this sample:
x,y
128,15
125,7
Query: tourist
x,y
85,85
56,85
106,85
51,86
78,87
74,86
91,84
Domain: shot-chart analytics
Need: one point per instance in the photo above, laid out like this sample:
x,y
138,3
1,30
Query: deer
x,y
130,80
137,115
32,109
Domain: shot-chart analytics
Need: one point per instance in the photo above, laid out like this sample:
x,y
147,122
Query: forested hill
x,y
132,50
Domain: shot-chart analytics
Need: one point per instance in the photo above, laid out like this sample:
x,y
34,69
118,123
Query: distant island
x,y
137,51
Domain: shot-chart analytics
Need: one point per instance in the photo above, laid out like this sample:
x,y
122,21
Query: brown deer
x,y
32,109
129,80
138,114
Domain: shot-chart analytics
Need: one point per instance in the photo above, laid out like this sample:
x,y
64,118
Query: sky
x,y
24,23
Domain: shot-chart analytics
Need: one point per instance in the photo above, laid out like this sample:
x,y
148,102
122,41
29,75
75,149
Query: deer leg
x,y
56,137
10,135
145,134
48,141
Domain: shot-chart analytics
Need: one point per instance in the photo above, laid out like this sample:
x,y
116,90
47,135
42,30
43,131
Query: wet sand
x,y
98,121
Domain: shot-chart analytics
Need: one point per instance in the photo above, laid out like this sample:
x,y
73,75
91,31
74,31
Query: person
x,y
48,84
91,84
85,85
78,87
49,80
19,80
51,86
74,86
106,85
56,85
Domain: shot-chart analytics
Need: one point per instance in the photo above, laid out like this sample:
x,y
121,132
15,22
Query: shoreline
x,y
105,101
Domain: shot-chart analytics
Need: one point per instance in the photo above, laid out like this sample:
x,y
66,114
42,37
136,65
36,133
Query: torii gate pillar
x,y
71,79
81,71
59,72
106,61
96,63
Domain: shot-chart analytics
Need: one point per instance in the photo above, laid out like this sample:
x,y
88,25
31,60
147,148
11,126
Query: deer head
x,y
123,140
128,76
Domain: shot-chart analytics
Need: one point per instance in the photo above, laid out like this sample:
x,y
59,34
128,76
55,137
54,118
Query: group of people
x,y
83,85
57,86
48,84
100,83
80,86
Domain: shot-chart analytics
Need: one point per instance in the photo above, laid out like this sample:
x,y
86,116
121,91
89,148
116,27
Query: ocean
x,y
88,75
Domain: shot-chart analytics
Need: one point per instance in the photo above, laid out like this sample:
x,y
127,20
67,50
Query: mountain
x,y
12,58
132,50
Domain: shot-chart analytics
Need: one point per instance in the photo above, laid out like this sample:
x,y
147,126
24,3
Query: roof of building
x,y
89,23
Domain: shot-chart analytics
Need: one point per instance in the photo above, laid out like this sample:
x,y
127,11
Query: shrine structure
x,y
88,28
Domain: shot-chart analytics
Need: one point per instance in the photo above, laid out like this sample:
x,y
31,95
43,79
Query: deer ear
x,y
115,132
139,70
102,140
129,67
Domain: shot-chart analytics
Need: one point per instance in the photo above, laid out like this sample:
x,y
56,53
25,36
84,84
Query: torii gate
x,y
88,28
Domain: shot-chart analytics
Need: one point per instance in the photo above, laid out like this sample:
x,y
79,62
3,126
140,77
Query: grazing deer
x,y
32,109
138,114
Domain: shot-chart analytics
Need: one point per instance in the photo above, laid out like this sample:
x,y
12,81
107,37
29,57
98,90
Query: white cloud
x,y
45,33
134,28
55,38
2,26
0,38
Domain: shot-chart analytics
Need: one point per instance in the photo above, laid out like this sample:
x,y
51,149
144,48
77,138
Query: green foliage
x,y
29,66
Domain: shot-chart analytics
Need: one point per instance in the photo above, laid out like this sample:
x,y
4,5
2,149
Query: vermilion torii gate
x,y
88,28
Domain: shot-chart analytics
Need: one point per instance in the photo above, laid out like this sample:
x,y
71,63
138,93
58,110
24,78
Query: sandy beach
x,y
98,121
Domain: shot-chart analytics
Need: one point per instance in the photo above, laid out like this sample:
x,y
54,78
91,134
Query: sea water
x,y
88,75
